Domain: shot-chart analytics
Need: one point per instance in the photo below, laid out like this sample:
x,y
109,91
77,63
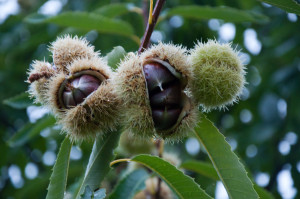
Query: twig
x,y
160,148
150,26
145,7
144,45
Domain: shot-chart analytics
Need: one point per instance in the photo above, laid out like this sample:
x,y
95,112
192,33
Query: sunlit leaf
x,y
130,185
184,186
58,179
115,56
101,156
225,13
20,101
288,5
31,130
229,168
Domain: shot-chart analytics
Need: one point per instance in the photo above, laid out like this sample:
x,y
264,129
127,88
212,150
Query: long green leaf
x,y
30,130
116,9
130,185
98,166
207,169
115,56
183,185
225,13
20,101
58,179
85,21
229,168
288,5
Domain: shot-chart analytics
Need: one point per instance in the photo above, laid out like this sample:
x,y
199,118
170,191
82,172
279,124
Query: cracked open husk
x,y
131,87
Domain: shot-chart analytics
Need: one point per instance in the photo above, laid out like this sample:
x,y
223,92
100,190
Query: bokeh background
x,y
262,129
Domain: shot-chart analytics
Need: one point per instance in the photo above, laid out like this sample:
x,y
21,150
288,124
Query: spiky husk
x,y
95,64
172,158
130,86
176,55
37,89
151,188
66,49
132,145
97,114
219,75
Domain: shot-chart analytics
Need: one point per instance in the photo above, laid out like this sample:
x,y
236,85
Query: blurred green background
x,y
263,128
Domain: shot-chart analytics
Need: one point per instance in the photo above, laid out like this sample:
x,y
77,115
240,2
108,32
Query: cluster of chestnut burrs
x,y
153,94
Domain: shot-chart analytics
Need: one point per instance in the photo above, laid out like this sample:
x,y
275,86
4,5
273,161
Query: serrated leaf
x,y
224,13
20,101
85,21
203,168
30,130
207,169
58,179
229,168
115,56
101,156
130,185
287,5
263,194
184,186
114,10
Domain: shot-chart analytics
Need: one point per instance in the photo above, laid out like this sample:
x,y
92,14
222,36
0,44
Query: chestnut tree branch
x,y
150,26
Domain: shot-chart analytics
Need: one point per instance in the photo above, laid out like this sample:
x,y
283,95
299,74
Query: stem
x,y
145,8
118,161
150,26
160,147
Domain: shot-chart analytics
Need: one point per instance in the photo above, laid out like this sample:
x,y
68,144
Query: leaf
x,y
20,101
115,56
263,194
30,130
203,168
225,13
287,5
207,169
229,168
58,179
89,194
100,194
130,185
86,21
101,156
116,9
183,185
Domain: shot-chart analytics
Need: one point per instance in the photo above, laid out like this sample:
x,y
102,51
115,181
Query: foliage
x,y
265,120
